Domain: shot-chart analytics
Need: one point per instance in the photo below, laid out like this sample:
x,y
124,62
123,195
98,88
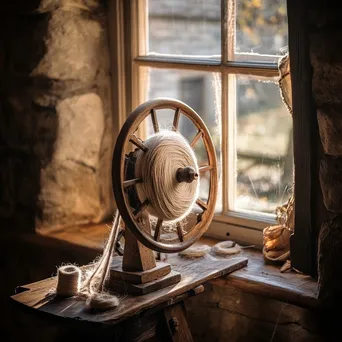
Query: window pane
x,y
263,146
261,28
185,27
199,90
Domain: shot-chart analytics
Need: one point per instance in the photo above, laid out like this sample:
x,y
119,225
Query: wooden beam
x,y
202,204
303,245
138,143
130,182
142,208
176,119
196,138
154,120
205,168
180,232
157,230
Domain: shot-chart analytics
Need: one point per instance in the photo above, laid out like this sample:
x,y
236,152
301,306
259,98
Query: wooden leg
x,y
168,324
177,324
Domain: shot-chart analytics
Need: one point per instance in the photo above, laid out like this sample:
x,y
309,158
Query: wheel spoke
x,y
154,120
202,204
176,119
141,208
157,229
138,143
196,138
180,232
205,168
130,182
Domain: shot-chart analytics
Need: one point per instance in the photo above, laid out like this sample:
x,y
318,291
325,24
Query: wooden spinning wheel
x,y
121,183
161,314
138,256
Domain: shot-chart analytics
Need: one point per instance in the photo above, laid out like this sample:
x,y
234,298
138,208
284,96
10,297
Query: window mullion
x,y
230,80
224,107
224,142
136,39
116,46
231,29
224,31
231,141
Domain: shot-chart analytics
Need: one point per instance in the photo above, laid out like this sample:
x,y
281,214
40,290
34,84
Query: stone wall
x,y
326,60
56,119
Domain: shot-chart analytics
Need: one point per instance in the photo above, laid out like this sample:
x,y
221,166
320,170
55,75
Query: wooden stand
x,y
159,316
138,272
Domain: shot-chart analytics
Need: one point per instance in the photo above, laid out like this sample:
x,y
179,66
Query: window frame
x,y
129,31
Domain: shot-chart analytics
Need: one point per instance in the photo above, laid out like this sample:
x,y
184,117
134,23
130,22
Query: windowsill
x,y
257,277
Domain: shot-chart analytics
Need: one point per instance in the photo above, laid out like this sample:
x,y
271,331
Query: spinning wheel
x,y
136,211
155,181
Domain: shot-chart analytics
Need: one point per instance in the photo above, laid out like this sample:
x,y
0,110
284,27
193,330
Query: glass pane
x,y
261,28
263,146
185,27
199,90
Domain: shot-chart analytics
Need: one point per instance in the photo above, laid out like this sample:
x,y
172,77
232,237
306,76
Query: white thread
x,y
101,302
95,281
91,289
169,200
195,251
226,248
68,280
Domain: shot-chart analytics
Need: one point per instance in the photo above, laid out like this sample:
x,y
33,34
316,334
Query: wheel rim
x,y
120,184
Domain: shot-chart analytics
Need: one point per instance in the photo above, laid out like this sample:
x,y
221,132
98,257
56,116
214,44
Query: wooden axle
x,y
186,174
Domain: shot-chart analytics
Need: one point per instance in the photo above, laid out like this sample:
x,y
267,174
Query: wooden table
x,y
157,316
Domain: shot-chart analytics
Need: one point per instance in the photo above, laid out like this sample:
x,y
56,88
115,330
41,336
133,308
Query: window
x,y
220,57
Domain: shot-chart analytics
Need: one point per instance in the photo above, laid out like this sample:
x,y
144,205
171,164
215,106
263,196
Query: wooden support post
x,y
137,272
137,257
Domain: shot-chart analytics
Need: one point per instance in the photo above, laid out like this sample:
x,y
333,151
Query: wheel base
x,y
142,282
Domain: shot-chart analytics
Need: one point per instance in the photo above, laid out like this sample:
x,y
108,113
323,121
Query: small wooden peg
x,y
186,174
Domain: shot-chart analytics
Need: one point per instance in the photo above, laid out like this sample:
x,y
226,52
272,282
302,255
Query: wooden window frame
x,y
309,208
129,56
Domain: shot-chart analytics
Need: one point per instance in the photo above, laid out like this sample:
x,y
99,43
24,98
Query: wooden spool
x,y
139,272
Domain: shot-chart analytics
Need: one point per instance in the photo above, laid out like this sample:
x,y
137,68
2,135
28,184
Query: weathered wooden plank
x,y
266,280
296,288
194,273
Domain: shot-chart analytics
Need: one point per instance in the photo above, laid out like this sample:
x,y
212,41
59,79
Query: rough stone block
x,y
19,189
326,84
71,189
323,14
57,111
326,46
326,60
79,130
27,35
74,58
329,263
330,175
330,129
69,195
